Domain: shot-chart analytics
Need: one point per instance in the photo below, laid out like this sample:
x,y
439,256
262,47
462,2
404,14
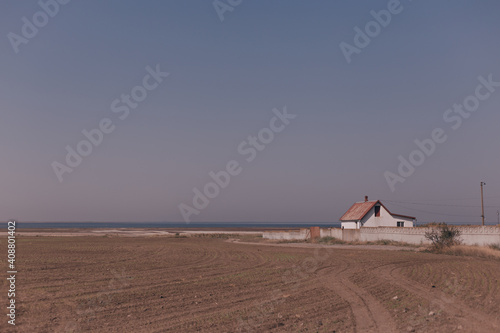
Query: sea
x,y
183,225
40,225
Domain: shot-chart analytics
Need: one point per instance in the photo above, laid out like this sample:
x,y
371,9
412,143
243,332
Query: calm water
x,y
21,225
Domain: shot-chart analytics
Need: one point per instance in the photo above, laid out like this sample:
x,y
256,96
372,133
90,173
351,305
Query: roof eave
x,y
409,217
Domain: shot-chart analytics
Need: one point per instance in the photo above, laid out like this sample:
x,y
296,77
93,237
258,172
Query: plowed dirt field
x,y
159,284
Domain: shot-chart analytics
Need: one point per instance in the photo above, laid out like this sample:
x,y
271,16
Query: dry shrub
x,y
390,242
216,235
473,251
431,225
495,246
286,241
443,237
334,241
330,240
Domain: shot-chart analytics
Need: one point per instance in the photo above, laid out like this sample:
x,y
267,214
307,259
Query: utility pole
x,y
498,216
482,203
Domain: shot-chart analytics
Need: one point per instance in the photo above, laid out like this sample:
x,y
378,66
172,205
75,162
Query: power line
x,y
456,199
439,205
428,212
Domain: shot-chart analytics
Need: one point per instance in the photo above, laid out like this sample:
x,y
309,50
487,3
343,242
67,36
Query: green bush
x,y
443,236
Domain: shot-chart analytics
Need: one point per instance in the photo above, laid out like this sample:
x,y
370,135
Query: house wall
x,y
384,220
349,225
408,222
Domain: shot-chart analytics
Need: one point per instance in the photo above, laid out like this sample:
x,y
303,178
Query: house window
x,y
401,224
377,211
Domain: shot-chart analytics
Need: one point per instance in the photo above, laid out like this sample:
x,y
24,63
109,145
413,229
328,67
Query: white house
x,y
373,214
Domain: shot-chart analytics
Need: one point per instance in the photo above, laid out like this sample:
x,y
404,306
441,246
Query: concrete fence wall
x,y
469,235
481,235
331,232
303,234
405,235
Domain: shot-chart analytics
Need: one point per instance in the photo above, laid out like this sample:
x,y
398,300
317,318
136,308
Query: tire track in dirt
x,y
369,314
468,317
158,285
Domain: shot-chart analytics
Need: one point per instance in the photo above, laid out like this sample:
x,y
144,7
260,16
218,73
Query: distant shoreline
x,y
160,225
193,226
140,232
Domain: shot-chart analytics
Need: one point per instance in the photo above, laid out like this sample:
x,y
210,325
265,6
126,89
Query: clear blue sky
x,y
353,120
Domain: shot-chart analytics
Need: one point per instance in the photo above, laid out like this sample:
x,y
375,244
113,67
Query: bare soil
x,y
158,284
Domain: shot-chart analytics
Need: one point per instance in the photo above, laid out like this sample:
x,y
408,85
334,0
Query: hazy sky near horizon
x,y
225,77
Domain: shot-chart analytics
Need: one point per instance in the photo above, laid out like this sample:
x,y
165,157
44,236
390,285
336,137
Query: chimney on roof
x,y
366,198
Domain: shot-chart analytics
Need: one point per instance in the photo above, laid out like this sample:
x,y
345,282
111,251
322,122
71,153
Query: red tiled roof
x,y
360,209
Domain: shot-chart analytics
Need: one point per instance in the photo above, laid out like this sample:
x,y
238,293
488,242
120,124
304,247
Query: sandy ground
x,y
159,283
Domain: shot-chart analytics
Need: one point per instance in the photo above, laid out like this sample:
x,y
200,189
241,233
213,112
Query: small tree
x,y
444,236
